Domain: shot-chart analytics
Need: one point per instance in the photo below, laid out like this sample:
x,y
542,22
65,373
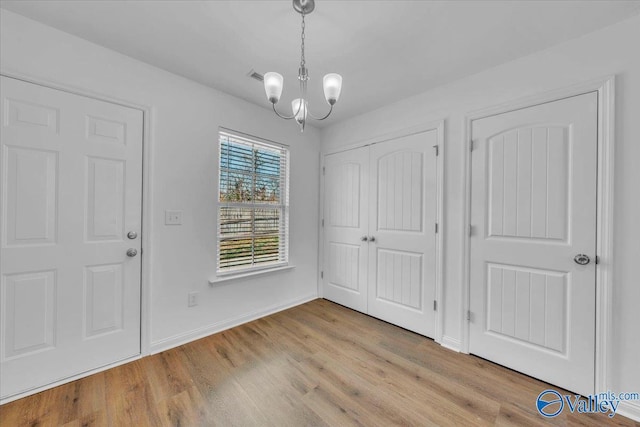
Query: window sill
x,y
231,276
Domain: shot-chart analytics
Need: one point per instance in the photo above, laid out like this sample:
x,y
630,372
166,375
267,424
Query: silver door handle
x,y
132,235
132,252
372,238
582,259
364,238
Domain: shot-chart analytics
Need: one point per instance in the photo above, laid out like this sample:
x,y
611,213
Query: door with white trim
x,y
380,237
70,247
533,241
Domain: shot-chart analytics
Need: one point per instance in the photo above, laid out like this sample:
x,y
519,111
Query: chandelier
x,y
331,83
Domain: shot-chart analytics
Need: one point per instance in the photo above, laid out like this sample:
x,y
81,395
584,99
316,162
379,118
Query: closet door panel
x,y
402,240
345,217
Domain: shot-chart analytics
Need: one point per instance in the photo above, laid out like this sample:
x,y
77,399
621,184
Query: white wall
x,y
613,50
185,120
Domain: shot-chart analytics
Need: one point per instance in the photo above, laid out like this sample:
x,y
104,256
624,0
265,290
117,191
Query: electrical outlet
x,y
173,217
193,299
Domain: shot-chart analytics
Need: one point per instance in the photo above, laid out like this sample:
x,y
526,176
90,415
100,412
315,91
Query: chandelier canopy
x,y
331,83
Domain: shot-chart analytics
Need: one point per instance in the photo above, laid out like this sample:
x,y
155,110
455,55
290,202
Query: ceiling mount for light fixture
x,y
304,6
331,83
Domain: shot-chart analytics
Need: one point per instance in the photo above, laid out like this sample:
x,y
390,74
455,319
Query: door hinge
x,y
436,228
437,150
323,170
468,315
323,222
322,274
597,260
471,145
470,230
435,305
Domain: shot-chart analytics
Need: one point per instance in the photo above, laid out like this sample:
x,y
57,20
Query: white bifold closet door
x,y
380,210
533,244
71,192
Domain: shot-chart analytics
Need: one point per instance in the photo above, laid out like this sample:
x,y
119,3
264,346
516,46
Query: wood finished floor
x,y
315,364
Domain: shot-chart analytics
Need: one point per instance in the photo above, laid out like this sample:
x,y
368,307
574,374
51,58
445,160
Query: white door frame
x,y
604,209
439,127
146,220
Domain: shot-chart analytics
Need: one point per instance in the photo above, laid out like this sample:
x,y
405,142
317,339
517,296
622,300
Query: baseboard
x,y
629,410
451,343
184,338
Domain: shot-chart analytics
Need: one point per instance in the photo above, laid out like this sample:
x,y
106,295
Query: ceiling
x,y
385,50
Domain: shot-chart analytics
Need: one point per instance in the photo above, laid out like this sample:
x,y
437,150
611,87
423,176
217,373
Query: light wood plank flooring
x,y
315,364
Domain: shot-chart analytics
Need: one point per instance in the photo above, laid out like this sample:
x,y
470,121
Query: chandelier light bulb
x,y
299,111
273,83
332,85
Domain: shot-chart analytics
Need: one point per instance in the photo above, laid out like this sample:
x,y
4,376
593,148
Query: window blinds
x,y
253,229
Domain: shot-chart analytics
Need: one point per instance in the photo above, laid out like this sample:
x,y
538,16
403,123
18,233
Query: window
x,y
253,215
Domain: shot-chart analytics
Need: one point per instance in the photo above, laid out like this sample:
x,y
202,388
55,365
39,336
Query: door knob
x,y
132,252
132,235
372,239
364,238
582,259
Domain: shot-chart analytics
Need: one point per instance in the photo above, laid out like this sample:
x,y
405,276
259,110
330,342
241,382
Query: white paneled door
x,y
380,210
71,195
346,228
533,241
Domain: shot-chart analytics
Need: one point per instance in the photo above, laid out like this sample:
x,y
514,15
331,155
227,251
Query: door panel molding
x,y
605,87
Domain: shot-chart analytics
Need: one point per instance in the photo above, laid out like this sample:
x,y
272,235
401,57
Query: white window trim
x,y
253,272
229,275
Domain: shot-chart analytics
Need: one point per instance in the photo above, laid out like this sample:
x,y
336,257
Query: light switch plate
x,y
173,217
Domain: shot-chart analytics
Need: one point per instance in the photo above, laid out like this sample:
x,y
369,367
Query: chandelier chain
x,y
302,59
